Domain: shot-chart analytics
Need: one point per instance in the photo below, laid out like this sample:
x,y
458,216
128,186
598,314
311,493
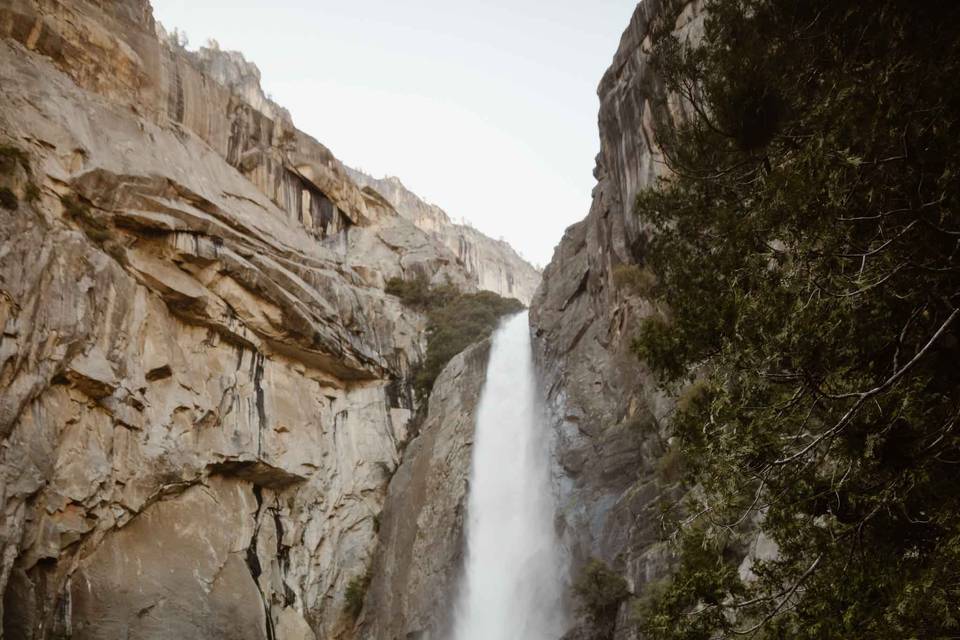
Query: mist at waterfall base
x,y
513,581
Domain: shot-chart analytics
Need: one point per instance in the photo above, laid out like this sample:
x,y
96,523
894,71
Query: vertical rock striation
x,y
603,402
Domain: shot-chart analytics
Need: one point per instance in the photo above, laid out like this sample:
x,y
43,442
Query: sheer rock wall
x,y
420,558
603,402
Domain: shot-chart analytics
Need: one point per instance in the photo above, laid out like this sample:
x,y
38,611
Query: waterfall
x,y
513,582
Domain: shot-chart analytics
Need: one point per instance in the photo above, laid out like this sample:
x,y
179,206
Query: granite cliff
x,y
602,401
492,264
205,389
418,563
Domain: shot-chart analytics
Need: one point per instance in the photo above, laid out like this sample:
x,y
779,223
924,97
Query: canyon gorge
x,y
214,420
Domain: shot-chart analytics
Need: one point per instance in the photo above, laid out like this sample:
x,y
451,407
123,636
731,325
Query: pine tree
x,y
805,249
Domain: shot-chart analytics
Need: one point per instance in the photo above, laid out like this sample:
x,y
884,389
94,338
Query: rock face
x,y
419,560
603,402
492,264
203,387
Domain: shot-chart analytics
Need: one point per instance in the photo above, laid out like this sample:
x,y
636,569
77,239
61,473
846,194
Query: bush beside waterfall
x,y
600,591
455,321
356,593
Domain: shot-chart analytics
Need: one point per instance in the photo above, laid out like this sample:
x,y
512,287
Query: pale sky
x,y
488,109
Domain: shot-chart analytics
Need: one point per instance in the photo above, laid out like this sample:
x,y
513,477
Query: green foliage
x,y
414,292
806,250
10,158
78,211
635,279
8,199
455,321
356,593
692,394
600,592
707,577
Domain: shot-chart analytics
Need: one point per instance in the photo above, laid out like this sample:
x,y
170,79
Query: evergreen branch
x,y
866,395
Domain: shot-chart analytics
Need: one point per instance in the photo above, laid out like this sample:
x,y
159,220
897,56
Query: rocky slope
x,y
603,402
204,387
492,264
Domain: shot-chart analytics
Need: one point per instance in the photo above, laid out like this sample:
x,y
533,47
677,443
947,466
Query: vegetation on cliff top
x,y
806,259
455,321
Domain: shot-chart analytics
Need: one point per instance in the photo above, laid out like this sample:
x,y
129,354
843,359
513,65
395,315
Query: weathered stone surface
x,y
203,387
603,402
419,557
128,587
121,390
492,264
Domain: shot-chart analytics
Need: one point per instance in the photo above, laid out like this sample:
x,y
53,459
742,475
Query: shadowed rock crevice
x,y
257,473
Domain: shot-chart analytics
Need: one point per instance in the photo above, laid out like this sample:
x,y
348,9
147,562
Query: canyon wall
x,y
492,264
602,401
418,563
205,389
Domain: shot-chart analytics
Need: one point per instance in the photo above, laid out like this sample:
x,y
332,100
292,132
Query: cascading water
x,y
512,586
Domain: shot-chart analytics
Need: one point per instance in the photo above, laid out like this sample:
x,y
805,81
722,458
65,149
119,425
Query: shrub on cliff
x,y
356,593
455,320
600,592
414,292
807,254
10,158
634,279
76,210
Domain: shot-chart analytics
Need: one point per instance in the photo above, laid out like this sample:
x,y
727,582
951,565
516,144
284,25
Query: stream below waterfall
x,y
513,582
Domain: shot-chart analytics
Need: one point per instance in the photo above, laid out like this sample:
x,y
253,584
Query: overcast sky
x,y
488,109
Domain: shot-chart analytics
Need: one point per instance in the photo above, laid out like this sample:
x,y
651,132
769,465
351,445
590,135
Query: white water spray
x,y
514,575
